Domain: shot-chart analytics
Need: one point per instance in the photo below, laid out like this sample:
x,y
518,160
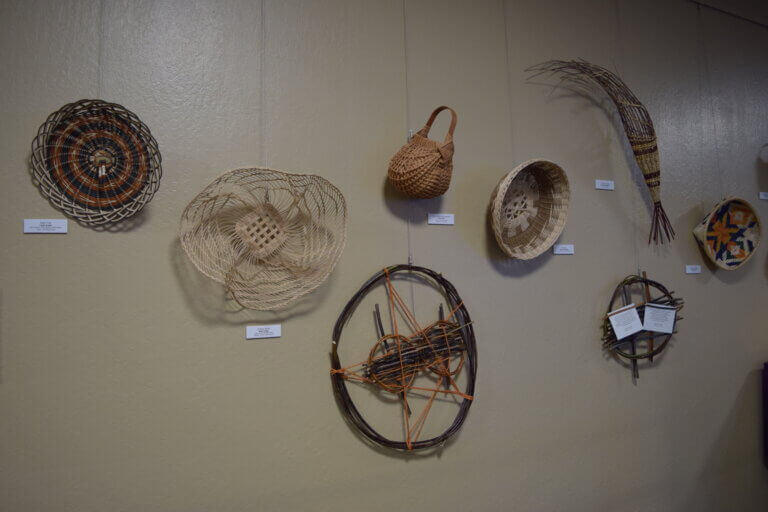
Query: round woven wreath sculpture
x,y
529,208
270,237
639,290
96,162
413,361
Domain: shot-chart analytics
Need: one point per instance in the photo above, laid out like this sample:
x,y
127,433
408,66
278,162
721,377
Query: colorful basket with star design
x,y
730,233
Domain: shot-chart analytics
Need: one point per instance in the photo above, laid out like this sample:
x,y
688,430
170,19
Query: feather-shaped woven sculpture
x,y
637,125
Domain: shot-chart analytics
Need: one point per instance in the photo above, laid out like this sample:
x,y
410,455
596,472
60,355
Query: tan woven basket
x,y
730,233
422,168
270,237
529,208
96,162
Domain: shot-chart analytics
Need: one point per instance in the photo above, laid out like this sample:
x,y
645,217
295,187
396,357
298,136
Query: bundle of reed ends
x,y
638,127
440,350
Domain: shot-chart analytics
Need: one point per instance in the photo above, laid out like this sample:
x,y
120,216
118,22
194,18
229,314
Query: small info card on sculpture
x,y
659,318
625,321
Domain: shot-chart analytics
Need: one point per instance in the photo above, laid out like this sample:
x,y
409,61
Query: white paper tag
x,y
693,269
659,318
563,249
445,219
605,185
625,321
46,226
763,195
254,332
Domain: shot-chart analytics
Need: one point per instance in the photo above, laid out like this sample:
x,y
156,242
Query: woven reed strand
x,y
637,124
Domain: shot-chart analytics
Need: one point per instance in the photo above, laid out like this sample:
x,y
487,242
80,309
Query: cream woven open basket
x,y
529,208
270,237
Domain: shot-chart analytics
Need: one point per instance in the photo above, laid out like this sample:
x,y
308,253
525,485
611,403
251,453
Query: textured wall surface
x,y
125,381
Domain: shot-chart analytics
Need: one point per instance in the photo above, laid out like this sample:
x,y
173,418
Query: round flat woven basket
x,y
270,237
96,162
529,208
730,233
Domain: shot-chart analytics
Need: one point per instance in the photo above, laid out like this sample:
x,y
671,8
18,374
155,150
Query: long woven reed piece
x,y
529,208
638,127
423,362
96,162
422,168
270,237
730,233
643,344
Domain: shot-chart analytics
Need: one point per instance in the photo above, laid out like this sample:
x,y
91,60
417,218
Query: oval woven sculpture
x,y
96,161
730,233
529,208
270,237
422,168
421,365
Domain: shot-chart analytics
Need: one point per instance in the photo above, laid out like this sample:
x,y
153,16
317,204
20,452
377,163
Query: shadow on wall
x,y
1,337
211,304
734,476
405,208
761,168
511,267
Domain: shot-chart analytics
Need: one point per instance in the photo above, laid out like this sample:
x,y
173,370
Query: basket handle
x,y
449,136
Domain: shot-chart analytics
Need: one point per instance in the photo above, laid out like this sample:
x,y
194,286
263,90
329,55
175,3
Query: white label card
x,y
563,249
659,318
605,185
693,269
763,195
445,219
46,226
255,332
625,321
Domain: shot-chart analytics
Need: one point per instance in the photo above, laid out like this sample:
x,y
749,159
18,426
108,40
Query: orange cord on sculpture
x,y
439,351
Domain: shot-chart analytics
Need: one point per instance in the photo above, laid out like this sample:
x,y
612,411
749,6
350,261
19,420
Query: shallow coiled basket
x,y
529,208
96,162
730,233
269,236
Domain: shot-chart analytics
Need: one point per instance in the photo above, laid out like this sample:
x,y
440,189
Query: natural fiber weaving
x,y
270,237
529,208
637,125
96,161
424,362
730,233
644,344
422,168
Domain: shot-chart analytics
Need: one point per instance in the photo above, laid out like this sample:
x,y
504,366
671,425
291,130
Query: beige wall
x,y
125,381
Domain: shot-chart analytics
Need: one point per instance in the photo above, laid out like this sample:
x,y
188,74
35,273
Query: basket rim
x,y
497,200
